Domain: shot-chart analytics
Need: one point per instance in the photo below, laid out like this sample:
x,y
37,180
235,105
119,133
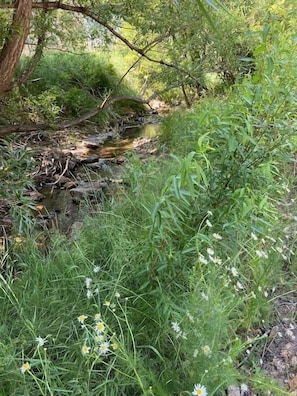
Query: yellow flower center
x,y
26,367
100,326
82,318
85,349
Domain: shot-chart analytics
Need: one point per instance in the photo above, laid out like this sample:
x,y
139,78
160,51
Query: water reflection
x,y
58,208
113,148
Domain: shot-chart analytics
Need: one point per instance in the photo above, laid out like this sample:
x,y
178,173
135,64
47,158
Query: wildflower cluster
x,y
209,255
97,335
205,350
257,251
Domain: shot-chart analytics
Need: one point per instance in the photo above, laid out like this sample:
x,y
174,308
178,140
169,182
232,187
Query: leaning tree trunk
x,y
14,43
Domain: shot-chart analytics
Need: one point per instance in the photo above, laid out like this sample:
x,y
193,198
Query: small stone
x,y
234,391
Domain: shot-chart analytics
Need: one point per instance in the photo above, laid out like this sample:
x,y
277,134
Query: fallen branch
x,y
6,130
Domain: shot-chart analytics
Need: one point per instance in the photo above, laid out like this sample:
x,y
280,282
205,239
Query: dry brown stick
x,y
63,173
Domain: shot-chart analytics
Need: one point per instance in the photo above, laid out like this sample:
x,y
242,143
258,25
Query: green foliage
x,y
70,85
12,109
4,19
65,70
43,107
194,48
169,285
16,167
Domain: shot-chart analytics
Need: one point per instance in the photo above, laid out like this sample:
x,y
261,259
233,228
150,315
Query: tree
x,y
175,36
14,42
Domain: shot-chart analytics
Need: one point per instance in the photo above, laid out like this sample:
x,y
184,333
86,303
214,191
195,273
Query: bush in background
x,y
67,85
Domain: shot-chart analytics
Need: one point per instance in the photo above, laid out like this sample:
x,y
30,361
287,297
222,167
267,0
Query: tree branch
x,y
6,130
54,5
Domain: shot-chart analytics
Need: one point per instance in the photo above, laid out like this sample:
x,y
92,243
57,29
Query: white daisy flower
x,y
206,350
99,327
104,348
40,341
175,327
199,390
208,223
202,259
88,282
204,296
25,367
82,318
85,349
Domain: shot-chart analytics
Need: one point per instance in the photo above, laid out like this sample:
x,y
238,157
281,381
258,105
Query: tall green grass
x,y
69,84
171,284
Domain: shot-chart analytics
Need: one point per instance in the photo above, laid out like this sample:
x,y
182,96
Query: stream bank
x,y
86,167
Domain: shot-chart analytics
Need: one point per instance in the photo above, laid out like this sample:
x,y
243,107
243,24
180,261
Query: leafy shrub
x,y
72,83
44,107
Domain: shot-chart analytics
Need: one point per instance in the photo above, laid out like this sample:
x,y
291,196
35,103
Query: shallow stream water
x,y
115,147
58,209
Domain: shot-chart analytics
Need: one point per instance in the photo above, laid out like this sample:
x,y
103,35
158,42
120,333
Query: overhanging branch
x,y
54,5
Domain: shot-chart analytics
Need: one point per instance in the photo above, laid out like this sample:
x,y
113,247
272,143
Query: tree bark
x,y
14,43
33,62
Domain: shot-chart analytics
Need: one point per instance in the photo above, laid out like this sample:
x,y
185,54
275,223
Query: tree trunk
x,y
14,43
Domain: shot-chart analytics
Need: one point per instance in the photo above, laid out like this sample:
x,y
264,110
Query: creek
x,y
61,207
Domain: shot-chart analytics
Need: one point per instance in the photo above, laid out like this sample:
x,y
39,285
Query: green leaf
x,y
201,138
265,32
259,50
270,64
207,15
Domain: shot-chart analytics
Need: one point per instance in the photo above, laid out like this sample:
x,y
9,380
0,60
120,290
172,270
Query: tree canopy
x,y
176,43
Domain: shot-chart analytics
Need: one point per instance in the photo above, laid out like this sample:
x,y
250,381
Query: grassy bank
x,y
65,85
172,284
